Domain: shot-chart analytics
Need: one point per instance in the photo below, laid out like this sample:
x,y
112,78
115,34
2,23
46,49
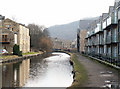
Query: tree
x,y
39,37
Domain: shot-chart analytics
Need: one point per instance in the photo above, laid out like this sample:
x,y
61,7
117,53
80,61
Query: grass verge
x,y
15,56
80,73
9,56
29,53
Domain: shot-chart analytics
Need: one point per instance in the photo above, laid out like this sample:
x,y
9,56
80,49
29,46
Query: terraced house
x,y
15,33
103,38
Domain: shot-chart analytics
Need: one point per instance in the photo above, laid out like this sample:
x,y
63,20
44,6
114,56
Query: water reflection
x,y
53,71
15,74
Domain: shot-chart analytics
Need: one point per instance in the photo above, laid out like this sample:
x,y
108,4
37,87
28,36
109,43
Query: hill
x,y
69,31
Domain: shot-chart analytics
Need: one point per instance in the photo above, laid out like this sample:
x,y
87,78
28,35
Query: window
x,y
7,26
12,29
4,38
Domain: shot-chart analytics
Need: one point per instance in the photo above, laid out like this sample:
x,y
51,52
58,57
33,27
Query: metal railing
x,y
115,38
5,41
101,41
119,36
108,40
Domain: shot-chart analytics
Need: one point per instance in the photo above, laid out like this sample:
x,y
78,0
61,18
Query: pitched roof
x,y
111,9
104,15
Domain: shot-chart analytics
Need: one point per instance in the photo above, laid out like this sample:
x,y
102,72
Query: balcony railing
x,y
108,40
114,38
101,41
111,20
93,42
5,41
115,56
119,36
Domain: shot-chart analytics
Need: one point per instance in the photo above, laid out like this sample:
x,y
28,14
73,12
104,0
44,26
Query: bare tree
x,y
39,37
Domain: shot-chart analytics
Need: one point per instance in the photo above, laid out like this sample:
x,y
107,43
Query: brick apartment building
x,y
103,38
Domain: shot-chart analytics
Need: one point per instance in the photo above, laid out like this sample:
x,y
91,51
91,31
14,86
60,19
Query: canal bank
x,y
80,73
14,58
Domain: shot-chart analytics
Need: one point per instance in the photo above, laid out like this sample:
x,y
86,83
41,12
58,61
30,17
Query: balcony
x,y
97,42
119,36
93,42
86,44
114,56
114,38
119,14
111,21
108,40
5,41
108,57
104,24
101,42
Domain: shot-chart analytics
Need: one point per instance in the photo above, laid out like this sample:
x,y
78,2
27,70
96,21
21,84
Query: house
x,y
15,33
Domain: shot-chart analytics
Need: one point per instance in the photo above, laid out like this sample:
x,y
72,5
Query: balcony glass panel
x,y
108,21
119,48
105,36
114,35
101,41
115,17
104,48
114,38
108,39
104,24
119,13
100,28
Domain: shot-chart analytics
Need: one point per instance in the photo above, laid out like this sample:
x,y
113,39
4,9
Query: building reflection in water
x,y
15,74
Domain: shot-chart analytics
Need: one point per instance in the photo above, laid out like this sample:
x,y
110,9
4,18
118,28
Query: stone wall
x,y
82,39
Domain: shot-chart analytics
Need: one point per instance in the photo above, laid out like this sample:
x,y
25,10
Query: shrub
x,y
16,50
20,53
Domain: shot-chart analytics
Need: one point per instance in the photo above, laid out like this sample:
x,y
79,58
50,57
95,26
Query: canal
x,y
52,71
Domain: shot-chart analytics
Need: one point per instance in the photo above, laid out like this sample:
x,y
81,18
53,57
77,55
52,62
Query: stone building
x,y
81,34
15,33
82,40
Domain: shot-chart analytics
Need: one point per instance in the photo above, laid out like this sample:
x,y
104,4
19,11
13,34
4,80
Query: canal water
x,y
52,71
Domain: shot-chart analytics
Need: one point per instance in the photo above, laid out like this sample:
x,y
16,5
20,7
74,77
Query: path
x,y
98,74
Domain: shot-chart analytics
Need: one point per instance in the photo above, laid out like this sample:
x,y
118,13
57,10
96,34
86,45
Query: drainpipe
x,y
15,37
78,40
99,45
111,45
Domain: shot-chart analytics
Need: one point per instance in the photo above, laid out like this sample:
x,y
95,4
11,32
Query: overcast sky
x,y
53,12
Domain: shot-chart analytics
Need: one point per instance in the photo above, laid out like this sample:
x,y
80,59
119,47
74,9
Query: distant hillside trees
x,y
39,38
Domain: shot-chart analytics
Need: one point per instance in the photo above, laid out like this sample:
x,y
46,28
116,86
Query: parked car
x,y
3,51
